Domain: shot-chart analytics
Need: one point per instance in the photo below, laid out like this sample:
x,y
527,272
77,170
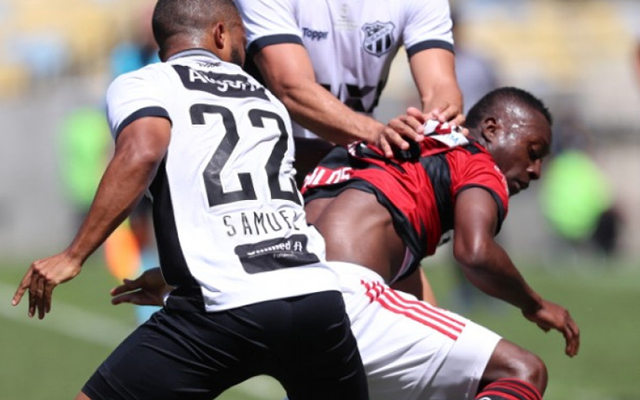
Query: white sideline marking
x,y
67,320
71,321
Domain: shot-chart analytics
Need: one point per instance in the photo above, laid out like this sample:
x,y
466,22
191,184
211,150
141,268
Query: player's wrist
x,y
371,130
532,306
75,255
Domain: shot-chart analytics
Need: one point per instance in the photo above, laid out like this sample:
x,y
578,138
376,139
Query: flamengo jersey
x,y
418,188
229,222
351,43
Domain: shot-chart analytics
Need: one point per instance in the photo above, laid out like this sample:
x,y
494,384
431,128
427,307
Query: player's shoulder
x,y
152,74
471,157
255,11
479,162
418,5
146,72
476,155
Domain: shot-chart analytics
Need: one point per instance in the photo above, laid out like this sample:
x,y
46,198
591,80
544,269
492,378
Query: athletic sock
x,y
509,389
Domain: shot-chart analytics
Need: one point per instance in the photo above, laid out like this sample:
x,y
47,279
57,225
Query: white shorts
x,y
410,349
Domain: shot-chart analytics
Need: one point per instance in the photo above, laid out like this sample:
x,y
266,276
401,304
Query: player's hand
x,y
552,316
42,277
146,290
450,113
400,129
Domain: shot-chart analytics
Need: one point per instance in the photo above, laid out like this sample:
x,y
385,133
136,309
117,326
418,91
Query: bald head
x,y
190,20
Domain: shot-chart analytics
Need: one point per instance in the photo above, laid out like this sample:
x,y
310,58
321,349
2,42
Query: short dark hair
x,y
488,105
191,17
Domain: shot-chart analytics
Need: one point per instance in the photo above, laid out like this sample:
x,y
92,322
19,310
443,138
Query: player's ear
x,y
490,129
219,33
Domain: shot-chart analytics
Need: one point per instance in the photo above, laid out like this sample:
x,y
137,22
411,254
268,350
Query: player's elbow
x,y
143,158
472,253
149,155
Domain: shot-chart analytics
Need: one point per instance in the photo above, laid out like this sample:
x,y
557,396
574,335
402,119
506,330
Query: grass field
x,y
51,359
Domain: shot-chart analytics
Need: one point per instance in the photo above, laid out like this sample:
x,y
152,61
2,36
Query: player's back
x,y
418,187
229,222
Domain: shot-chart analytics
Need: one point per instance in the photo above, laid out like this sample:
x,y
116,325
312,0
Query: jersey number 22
x,y
213,184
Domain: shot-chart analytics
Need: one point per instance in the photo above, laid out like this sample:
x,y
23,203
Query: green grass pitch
x,y
51,359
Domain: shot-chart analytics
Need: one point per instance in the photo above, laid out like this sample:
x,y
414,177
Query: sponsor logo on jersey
x,y
378,37
322,176
275,254
203,64
344,21
220,84
314,35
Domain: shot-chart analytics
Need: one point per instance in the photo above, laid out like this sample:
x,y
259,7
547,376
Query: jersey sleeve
x,y
428,26
268,22
136,95
480,171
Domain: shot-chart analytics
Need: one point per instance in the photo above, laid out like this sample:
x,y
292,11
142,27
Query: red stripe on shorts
x,y
385,296
384,302
424,310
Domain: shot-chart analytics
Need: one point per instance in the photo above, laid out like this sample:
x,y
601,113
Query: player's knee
x,y
533,370
511,361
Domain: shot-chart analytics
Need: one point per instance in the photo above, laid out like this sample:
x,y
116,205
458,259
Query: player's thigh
x,y
164,359
323,361
413,351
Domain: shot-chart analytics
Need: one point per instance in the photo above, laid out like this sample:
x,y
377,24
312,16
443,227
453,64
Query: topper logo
x,y
314,35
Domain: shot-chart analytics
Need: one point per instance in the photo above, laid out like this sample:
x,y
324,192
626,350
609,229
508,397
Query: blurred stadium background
x,y
580,57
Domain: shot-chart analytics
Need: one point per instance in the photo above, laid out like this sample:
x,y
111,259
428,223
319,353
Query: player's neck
x,y
477,136
180,43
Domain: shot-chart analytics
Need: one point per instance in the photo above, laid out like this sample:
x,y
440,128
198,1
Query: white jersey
x,y
351,43
229,220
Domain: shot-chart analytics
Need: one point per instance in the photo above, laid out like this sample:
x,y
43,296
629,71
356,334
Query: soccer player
x,y
329,60
380,217
397,211
253,292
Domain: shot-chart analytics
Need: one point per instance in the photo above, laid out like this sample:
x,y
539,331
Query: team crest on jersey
x,y
378,37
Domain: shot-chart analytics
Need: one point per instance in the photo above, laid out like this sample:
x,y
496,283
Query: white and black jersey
x,y
229,221
351,43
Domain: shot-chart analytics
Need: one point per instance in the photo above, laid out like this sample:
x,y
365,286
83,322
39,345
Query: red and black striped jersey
x,y
418,187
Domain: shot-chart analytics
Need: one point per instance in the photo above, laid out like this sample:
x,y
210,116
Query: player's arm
x,y
488,267
139,149
418,285
433,71
288,73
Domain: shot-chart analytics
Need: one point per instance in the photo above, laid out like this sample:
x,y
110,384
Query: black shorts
x,y
304,342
